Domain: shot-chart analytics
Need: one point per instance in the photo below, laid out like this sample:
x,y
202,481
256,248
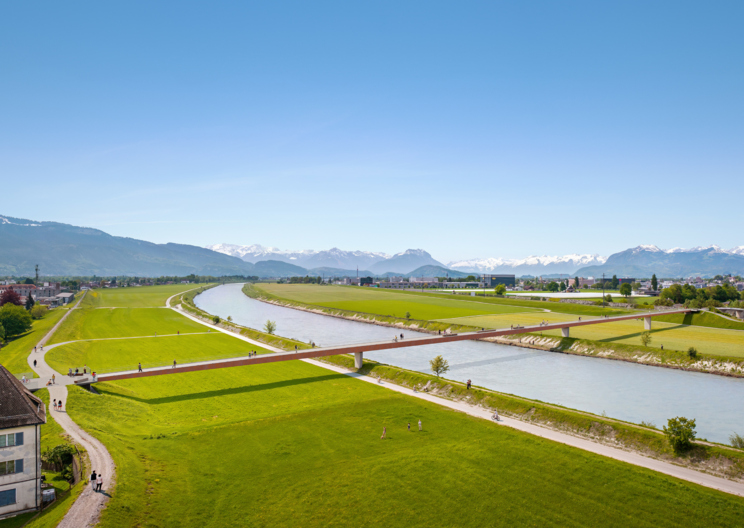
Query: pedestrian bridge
x,y
359,349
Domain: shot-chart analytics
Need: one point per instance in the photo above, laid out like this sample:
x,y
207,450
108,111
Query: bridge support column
x,y
564,331
647,323
358,361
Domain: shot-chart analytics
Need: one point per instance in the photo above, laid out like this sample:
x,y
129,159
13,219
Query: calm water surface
x,y
622,390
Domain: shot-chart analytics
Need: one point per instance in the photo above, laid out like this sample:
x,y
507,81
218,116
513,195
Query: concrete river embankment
x,y
622,390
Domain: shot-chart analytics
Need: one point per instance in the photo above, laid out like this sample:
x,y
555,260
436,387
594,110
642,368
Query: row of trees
x,y
15,317
693,297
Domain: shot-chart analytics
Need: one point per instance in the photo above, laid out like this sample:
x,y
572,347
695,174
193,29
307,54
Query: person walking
x,y
34,349
409,427
139,367
59,405
54,404
174,363
54,379
93,477
34,363
419,424
469,384
384,432
99,482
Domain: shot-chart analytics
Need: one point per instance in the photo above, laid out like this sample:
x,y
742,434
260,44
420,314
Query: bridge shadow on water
x,y
231,391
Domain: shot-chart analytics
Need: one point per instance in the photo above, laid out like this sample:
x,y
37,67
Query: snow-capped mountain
x,y
308,258
643,261
9,220
533,265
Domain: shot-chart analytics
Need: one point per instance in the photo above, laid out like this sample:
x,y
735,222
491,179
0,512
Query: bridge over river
x,y
359,349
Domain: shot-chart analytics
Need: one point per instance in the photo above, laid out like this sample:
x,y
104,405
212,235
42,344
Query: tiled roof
x,y
18,406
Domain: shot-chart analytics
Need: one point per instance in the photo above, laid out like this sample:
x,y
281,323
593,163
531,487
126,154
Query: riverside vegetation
x,y
719,340
292,443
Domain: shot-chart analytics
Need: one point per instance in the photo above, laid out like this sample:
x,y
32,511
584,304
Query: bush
x,y
646,338
38,311
15,319
270,327
692,352
216,320
680,432
737,440
500,289
408,315
663,302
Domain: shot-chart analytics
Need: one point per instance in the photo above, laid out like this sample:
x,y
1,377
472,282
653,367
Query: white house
x,y
21,415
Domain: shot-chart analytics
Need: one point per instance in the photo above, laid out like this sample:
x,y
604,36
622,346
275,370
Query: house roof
x,y
18,407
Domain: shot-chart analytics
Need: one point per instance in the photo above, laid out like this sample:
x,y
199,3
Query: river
x,y
626,391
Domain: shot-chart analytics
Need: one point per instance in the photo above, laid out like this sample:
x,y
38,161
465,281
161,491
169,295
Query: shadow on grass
x,y
227,392
638,334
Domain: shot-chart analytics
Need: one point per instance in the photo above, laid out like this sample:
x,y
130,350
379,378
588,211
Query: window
x,y
7,497
11,466
7,440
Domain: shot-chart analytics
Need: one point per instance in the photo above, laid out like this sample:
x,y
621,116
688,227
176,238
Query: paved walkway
x,y
87,507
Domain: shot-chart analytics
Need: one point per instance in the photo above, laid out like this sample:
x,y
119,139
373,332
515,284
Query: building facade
x,y
21,415
491,281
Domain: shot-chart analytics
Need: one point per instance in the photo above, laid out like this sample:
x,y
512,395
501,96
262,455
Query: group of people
x,y
384,429
395,338
57,405
96,480
39,349
77,371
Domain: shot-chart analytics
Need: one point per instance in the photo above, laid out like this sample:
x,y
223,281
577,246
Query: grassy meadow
x,y
135,297
295,444
101,323
13,355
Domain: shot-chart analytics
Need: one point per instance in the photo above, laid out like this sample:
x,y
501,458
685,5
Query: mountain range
x,y
66,250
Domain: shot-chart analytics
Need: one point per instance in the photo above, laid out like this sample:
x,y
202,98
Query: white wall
x,y
25,484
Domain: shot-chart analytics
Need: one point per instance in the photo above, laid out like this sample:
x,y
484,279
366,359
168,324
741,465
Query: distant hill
x,y
275,268
643,261
406,262
438,271
62,249
338,272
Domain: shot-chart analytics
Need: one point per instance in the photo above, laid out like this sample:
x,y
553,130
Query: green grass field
x,y
139,297
124,354
293,444
123,322
13,355
373,301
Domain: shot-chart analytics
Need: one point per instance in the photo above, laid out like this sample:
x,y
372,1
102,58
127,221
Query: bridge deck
x,y
364,347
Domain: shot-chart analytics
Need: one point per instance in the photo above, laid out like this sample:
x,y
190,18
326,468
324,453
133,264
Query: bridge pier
x,y
358,360
565,331
647,323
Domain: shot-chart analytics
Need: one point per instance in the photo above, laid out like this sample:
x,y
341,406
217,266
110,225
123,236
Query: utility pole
x,y
603,297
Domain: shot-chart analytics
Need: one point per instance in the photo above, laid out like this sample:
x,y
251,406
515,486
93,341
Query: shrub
x,y
680,432
663,302
737,440
646,338
408,315
270,327
216,320
15,319
38,311
500,289
692,352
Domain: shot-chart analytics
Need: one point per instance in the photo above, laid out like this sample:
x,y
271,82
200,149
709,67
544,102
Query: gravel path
x,y
88,506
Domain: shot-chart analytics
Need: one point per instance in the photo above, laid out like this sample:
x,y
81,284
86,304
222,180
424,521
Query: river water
x,y
626,391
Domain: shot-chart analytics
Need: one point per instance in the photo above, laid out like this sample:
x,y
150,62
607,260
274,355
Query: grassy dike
x,y
669,358
716,459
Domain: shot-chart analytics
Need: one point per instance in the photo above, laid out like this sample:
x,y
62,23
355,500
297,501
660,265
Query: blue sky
x,y
471,129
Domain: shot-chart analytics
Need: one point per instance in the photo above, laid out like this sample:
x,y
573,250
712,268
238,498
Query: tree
x,y
500,289
270,326
577,283
680,433
408,315
38,311
2,333
615,282
439,365
646,338
562,286
28,281
692,352
553,286
654,282
626,290
10,296
15,319
29,302
229,318
216,319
